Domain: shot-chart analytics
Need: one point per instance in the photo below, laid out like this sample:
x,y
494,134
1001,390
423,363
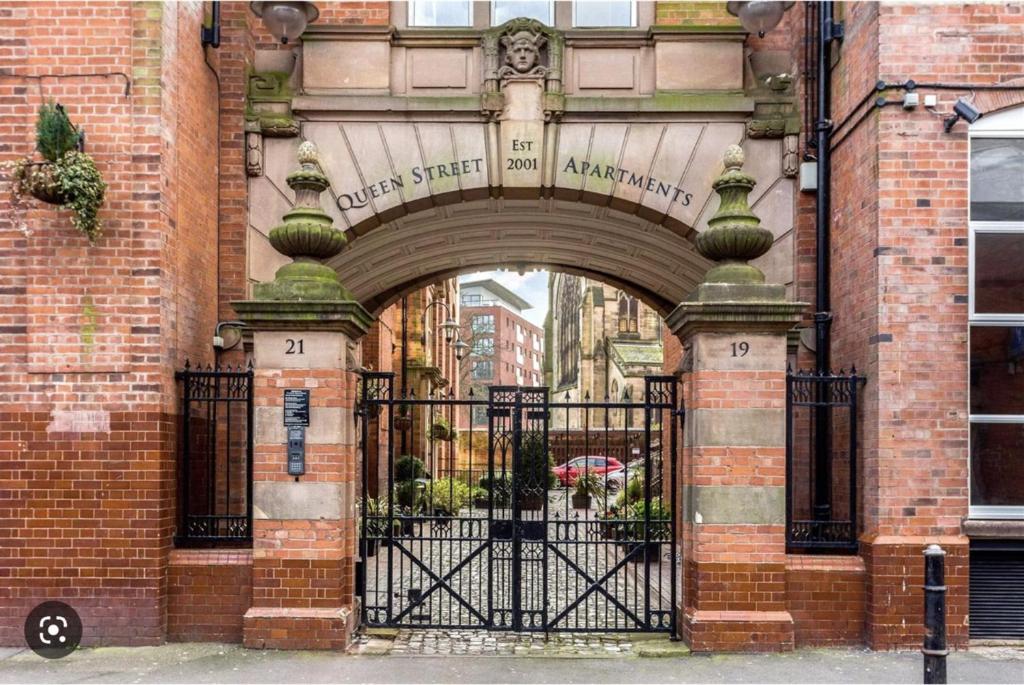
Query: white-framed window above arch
x,y
996,314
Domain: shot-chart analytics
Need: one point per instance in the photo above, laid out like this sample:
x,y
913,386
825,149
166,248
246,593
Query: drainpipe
x,y
828,31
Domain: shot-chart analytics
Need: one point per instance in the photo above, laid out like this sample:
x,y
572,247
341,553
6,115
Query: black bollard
x,y
934,649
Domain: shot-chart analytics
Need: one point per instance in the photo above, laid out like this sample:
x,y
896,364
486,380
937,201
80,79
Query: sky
x,y
532,286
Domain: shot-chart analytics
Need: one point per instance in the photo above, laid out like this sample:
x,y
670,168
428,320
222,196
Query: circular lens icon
x,y
53,630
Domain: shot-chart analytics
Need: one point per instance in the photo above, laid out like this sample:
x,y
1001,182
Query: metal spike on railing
x,y
586,396
471,392
566,395
187,365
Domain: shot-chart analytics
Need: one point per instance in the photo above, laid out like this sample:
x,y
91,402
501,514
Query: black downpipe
x,y
823,299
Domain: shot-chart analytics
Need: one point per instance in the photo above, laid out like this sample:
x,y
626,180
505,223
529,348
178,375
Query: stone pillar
x,y
733,329
304,529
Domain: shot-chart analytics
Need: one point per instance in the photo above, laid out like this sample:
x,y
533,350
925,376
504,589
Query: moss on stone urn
x,y
734,234
308,236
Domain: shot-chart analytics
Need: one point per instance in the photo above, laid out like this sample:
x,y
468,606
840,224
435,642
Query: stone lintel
x,y
345,316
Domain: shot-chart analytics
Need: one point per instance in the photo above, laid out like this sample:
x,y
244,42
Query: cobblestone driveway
x,y
452,574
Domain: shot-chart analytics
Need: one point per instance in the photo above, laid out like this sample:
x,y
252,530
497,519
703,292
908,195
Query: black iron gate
x,y
519,511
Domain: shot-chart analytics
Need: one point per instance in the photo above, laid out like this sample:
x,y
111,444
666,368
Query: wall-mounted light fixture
x,y
210,35
758,16
285,19
961,110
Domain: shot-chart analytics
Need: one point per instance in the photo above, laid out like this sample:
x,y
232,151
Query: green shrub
x,y
409,495
447,496
535,462
501,485
55,134
409,468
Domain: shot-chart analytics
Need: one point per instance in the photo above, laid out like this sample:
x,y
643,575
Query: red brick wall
x,y
900,286
91,335
208,592
826,597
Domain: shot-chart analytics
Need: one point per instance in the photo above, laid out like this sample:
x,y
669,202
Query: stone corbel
x,y
253,149
790,155
269,103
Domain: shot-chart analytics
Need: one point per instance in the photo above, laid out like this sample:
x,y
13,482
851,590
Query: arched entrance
x,y
521,175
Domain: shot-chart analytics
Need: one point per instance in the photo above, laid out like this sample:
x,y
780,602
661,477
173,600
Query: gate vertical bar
x,y
389,407
673,499
517,484
363,542
853,453
249,420
186,470
648,464
789,456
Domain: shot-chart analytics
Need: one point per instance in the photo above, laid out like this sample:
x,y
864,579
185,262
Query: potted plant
x,y
402,420
376,526
66,176
480,497
534,474
409,489
500,487
440,429
587,486
447,496
659,531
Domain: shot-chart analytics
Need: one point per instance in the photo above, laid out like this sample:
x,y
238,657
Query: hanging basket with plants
x,y
66,177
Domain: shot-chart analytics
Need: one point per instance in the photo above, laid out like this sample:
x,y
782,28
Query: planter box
x,y
653,551
582,501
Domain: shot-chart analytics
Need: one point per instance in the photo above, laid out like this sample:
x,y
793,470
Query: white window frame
x,y
551,10
1007,124
633,18
411,13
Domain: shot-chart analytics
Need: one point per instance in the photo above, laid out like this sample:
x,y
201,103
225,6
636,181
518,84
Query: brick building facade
x,y
195,144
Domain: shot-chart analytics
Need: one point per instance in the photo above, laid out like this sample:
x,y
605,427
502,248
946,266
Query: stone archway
x,y
638,240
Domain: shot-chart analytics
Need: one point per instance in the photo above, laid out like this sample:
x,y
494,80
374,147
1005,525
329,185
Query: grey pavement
x,y
213,663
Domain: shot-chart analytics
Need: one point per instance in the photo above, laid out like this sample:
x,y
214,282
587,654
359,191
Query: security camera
x,y
966,111
961,110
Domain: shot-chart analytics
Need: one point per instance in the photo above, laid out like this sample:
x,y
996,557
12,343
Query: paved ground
x,y
210,663
451,572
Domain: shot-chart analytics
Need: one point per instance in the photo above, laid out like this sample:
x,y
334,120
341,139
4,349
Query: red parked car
x,y
568,472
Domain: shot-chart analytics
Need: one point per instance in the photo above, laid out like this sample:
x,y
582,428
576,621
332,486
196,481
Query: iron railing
x,y
215,467
821,490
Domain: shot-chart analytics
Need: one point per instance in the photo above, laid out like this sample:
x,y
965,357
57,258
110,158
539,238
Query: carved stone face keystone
x,y
522,55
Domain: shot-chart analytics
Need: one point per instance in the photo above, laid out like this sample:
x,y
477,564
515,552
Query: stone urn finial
x,y
308,237
734,234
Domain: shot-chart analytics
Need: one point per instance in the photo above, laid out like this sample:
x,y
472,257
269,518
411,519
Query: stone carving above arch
x,y
624,204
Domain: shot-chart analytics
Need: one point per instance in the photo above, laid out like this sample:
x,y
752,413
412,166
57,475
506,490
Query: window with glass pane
x,y
597,13
541,10
997,320
483,323
997,370
997,464
998,276
483,346
440,13
483,370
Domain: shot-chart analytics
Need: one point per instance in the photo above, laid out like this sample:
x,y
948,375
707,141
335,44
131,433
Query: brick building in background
x,y
195,143
505,348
